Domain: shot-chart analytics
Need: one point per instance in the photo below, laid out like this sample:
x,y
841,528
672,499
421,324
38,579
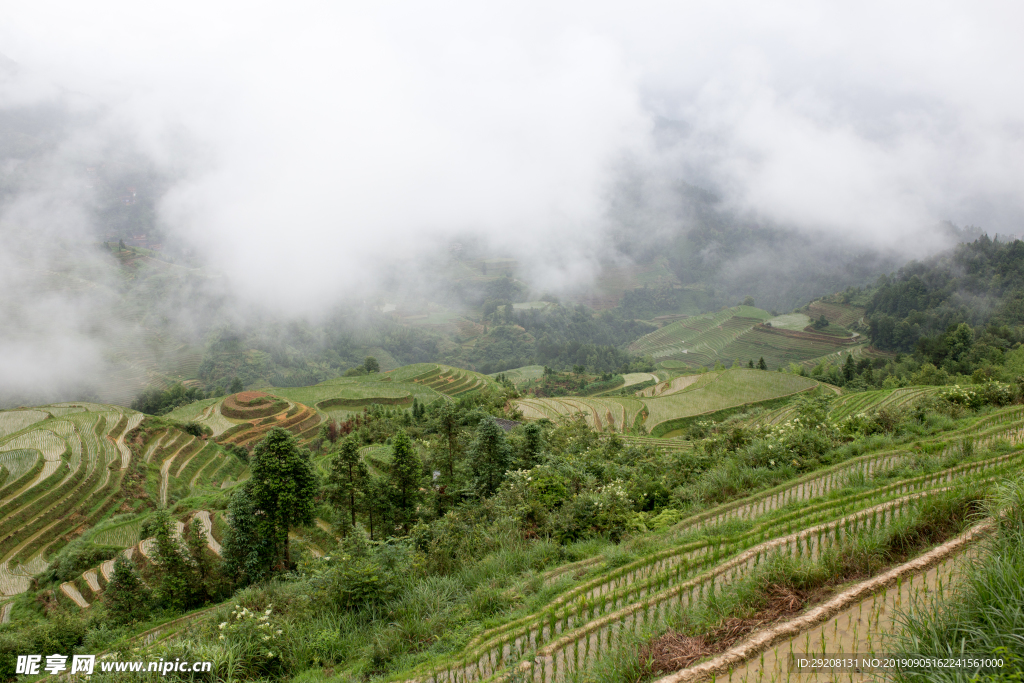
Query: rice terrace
x,y
494,344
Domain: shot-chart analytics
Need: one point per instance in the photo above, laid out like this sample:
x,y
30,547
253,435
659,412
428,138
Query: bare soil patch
x,y
674,651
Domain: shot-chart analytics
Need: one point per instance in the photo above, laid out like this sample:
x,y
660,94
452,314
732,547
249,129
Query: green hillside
x,y
593,544
669,406
746,333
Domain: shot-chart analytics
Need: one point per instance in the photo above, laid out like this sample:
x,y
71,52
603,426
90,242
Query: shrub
x,y
363,576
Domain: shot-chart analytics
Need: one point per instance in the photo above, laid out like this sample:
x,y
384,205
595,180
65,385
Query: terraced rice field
x,y
838,357
93,580
874,400
603,414
779,347
840,314
684,397
738,333
451,381
603,611
731,388
13,421
125,535
851,404
520,376
854,623
63,475
698,340
678,384
791,321
339,398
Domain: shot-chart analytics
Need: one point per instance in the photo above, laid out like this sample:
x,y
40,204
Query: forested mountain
x,y
731,256
980,283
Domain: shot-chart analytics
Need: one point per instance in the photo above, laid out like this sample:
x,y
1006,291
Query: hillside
x,y
70,469
745,333
614,542
668,406
980,283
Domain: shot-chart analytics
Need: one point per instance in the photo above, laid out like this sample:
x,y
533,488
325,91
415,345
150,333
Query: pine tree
x,y
404,477
761,365
490,456
533,444
282,486
848,368
247,554
448,427
348,478
179,582
126,596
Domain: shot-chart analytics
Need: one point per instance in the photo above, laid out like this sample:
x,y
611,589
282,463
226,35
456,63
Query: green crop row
x,y
118,428
680,423
37,491
593,610
184,454
59,539
211,466
198,462
297,419
623,588
170,447
231,468
55,504
252,413
24,480
228,434
701,589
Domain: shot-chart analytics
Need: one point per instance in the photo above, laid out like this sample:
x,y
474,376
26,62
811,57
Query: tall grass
x,y
985,614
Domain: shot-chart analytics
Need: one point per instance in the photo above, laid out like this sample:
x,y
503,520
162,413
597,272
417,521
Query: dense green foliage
x,y
158,402
282,487
979,283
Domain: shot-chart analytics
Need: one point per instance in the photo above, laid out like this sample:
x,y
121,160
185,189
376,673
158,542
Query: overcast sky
x,y
315,137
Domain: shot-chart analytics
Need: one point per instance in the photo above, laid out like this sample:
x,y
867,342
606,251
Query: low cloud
x,y
342,147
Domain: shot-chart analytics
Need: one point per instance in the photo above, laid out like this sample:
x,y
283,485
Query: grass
x,y
700,335
737,333
983,613
709,393
732,388
840,314
360,390
791,321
